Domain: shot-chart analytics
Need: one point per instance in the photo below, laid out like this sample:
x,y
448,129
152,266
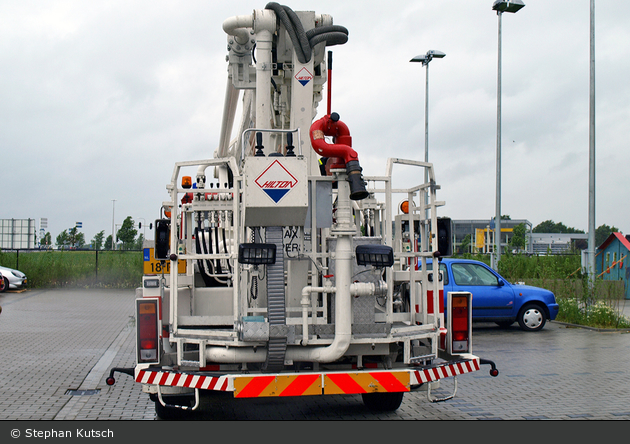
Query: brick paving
x,y
59,340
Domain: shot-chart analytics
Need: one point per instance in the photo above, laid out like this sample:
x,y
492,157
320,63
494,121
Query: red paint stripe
x,y
389,382
224,385
255,387
346,383
140,376
152,377
200,382
213,382
188,380
299,385
436,374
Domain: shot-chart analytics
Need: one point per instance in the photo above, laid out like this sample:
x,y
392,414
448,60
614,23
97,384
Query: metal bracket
x,y
445,398
181,407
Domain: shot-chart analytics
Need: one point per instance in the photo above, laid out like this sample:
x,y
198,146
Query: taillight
x,y
147,330
459,320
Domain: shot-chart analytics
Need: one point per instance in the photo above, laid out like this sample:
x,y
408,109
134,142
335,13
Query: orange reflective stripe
x,y
304,385
393,381
341,383
251,387
280,385
353,383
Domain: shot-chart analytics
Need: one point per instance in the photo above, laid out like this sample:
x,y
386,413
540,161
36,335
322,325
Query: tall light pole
x,y
113,233
425,59
591,184
500,6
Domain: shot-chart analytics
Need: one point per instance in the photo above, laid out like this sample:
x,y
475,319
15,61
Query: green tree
x,y
62,240
550,226
108,243
127,234
76,239
602,232
139,242
97,242
46,241
518,237
465,247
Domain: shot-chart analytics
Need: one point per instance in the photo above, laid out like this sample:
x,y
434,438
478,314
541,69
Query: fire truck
x,y
278,267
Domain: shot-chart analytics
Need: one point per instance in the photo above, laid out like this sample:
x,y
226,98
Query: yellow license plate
x,y
154,266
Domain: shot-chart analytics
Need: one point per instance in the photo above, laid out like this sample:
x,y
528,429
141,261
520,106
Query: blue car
x,y
494,299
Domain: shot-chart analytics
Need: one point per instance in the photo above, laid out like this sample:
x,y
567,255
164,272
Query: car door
x,y
491,297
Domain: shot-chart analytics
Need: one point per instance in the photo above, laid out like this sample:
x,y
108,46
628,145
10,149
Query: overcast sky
x,y
98,99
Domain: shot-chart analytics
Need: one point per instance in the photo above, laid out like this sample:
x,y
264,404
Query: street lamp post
x,y
591,163
500,6
425,59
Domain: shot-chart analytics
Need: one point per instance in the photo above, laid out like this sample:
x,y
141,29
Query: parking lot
x,y
58,346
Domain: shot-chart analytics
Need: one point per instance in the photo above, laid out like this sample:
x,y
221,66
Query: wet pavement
x,y
58,346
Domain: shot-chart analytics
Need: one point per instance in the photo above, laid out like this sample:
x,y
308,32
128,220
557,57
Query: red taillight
x,y
460,322
147,330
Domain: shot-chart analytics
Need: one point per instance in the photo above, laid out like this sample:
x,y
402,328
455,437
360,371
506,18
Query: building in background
x,y
611,260
481,232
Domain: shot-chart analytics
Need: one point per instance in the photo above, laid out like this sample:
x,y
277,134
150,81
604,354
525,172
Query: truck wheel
x,y
383,402
531,318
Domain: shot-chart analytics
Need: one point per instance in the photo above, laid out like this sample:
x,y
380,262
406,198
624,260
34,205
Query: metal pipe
x,y
237,27
497,221
591,175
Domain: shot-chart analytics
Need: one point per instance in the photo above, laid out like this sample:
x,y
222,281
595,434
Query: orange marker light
x,y
404,206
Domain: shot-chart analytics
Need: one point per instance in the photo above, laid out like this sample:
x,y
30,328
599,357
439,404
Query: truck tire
x,y
531,318
383,402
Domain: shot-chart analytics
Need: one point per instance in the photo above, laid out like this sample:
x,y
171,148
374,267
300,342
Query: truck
x,y
278,268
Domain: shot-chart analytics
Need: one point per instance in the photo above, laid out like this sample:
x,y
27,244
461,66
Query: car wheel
x,y
532,318
4,285
383,402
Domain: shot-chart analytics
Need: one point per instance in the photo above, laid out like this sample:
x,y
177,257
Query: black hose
x,y
216,238
304,41
226,251
294,27
332,35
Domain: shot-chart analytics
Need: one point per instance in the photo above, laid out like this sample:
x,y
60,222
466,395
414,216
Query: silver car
x,y
12,279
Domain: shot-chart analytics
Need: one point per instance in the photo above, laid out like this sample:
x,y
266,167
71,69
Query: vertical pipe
x,y
329,100
591,185
497,221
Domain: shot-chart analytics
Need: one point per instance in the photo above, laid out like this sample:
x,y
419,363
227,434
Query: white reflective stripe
x,y
193,382
169,379
206,382
144,376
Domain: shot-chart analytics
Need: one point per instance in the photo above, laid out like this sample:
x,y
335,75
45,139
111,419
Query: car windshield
x,y
473,274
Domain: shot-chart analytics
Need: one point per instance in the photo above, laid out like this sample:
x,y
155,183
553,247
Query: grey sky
x,y
98,100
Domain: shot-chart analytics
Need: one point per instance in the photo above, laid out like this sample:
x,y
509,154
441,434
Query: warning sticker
x,y
276,181
304,76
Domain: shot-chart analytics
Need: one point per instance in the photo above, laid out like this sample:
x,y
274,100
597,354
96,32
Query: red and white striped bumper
x,y
304,384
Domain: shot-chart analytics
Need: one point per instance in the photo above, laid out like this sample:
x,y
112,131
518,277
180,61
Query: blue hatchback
x,y
494,299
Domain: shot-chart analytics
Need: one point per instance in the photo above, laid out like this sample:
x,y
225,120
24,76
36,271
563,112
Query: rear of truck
x,y
272,277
